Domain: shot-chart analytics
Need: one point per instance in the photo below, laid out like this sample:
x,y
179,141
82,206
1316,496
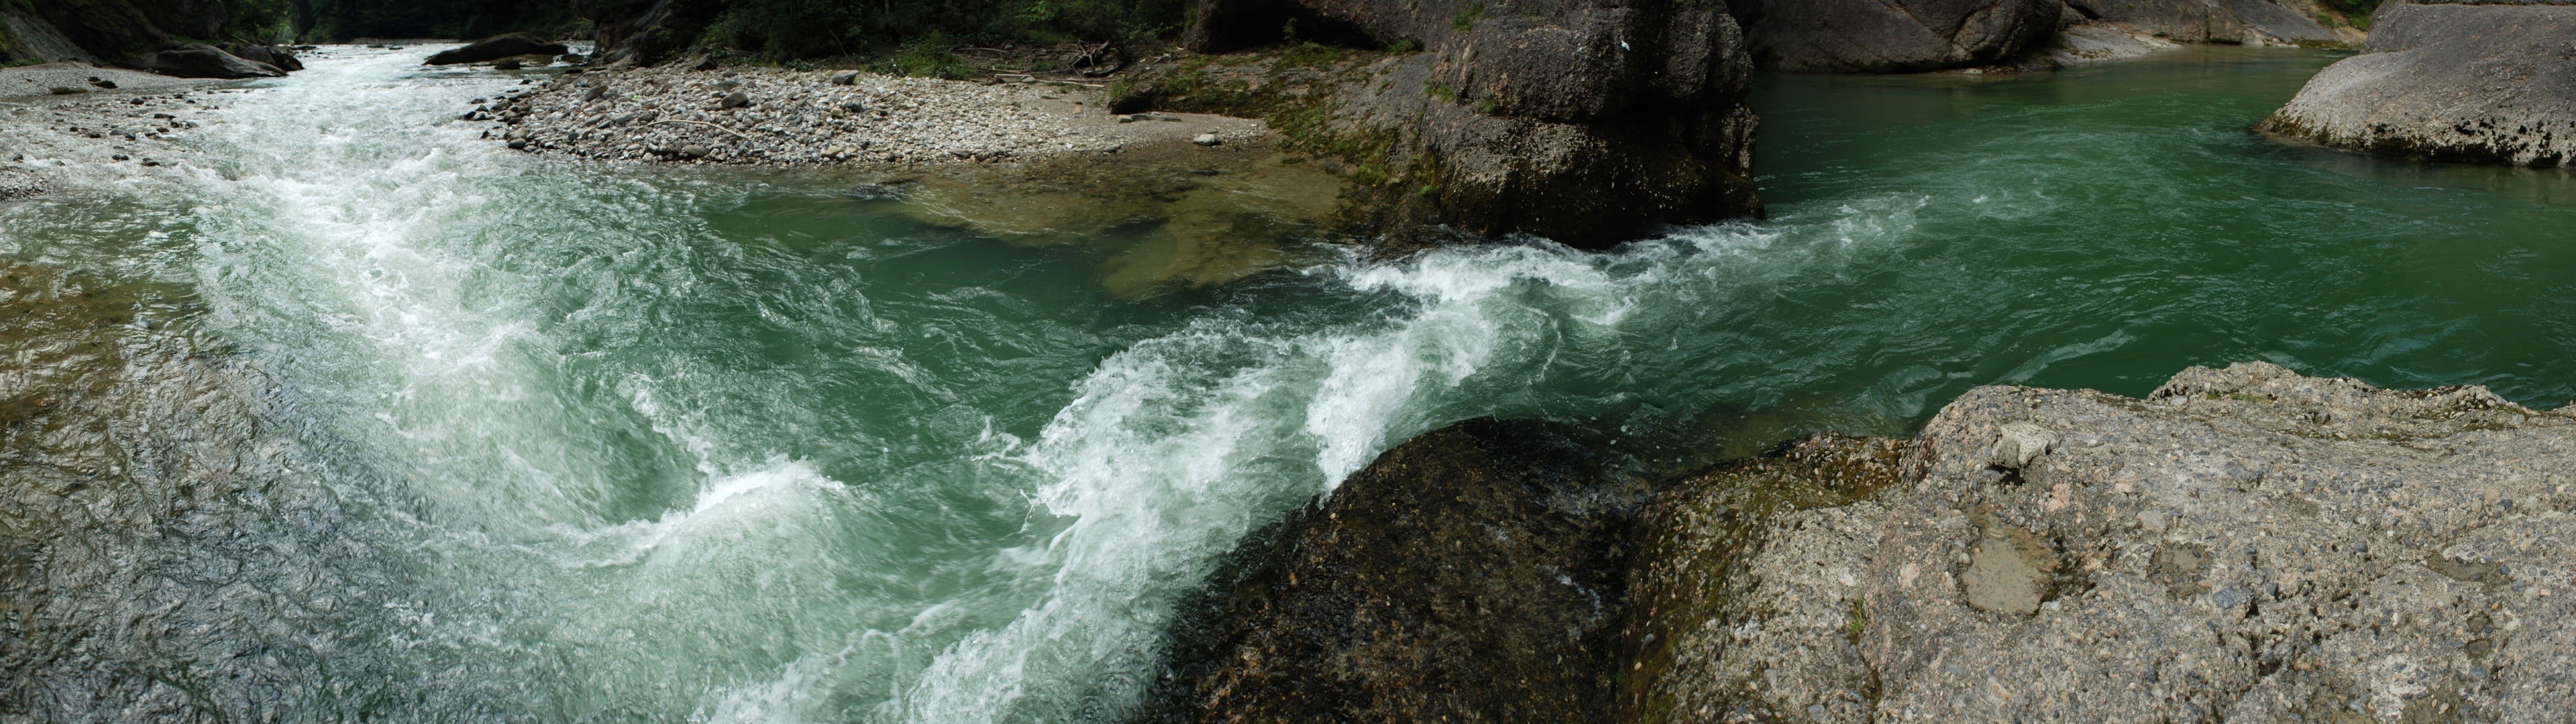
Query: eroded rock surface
x,y
2245,544
2453,82
1891,36
2232,22
1585,121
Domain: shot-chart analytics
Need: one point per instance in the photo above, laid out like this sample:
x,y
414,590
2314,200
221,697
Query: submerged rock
x,y
1470,574
2245,544
498,47
1904,35
2473,83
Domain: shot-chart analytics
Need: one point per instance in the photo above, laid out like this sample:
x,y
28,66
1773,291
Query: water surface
x,y
739,446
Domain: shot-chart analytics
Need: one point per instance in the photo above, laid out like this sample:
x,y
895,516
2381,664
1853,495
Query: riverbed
x,y
518,437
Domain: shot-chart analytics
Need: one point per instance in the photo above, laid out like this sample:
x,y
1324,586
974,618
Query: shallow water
x,y
744,446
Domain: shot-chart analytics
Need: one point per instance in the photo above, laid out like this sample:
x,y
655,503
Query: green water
x,y
735,446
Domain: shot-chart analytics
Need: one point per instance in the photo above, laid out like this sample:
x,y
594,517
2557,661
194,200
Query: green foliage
x,y
1442,91
929,56
1466,19
2355,12
338,20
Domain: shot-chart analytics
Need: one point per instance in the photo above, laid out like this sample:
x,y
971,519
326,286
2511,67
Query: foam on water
x,y
654,457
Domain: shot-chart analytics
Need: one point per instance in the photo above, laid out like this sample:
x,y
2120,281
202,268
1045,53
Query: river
x,y
539,440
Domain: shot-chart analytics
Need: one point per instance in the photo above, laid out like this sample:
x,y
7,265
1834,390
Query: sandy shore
x,y
775,116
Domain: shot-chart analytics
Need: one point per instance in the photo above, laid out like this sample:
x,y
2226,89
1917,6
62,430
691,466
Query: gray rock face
x,y
1470,574
1585,121
205,61
1891,36
498,47
2245,544
2472,83
2249,22
646,31
282,58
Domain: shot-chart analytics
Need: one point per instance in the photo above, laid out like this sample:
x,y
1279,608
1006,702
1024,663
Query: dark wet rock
x,y
735,99
18,183
2452,82
2245,22
1589,122
1469,574
282,58
205,61
497,47
1893,36
2245,544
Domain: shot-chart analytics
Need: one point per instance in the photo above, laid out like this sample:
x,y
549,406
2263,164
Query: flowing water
x,y
529,439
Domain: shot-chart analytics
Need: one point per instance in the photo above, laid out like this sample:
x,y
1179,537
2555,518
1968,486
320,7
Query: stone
x,y
693,151
1470,574
104,84
507,64
1891,36
2238,22
205,61
282,58
497,47
2352,552
735,99
1589,121
2473,83
1206,139
847,77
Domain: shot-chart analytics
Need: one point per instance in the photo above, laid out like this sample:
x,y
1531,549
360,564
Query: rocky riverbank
x,y
762,115
107,124
2245,543
2481,83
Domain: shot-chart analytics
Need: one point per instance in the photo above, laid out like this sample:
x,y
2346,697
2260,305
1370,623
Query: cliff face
x,y
1587,122
2244,544
1903,35
144,35
109,30
2482,83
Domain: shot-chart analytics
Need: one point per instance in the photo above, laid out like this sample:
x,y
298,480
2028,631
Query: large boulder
x,y
1881,36
1469,574
497,47
282,58
1588,121
2243,22
2245,544
2473,83
205,61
